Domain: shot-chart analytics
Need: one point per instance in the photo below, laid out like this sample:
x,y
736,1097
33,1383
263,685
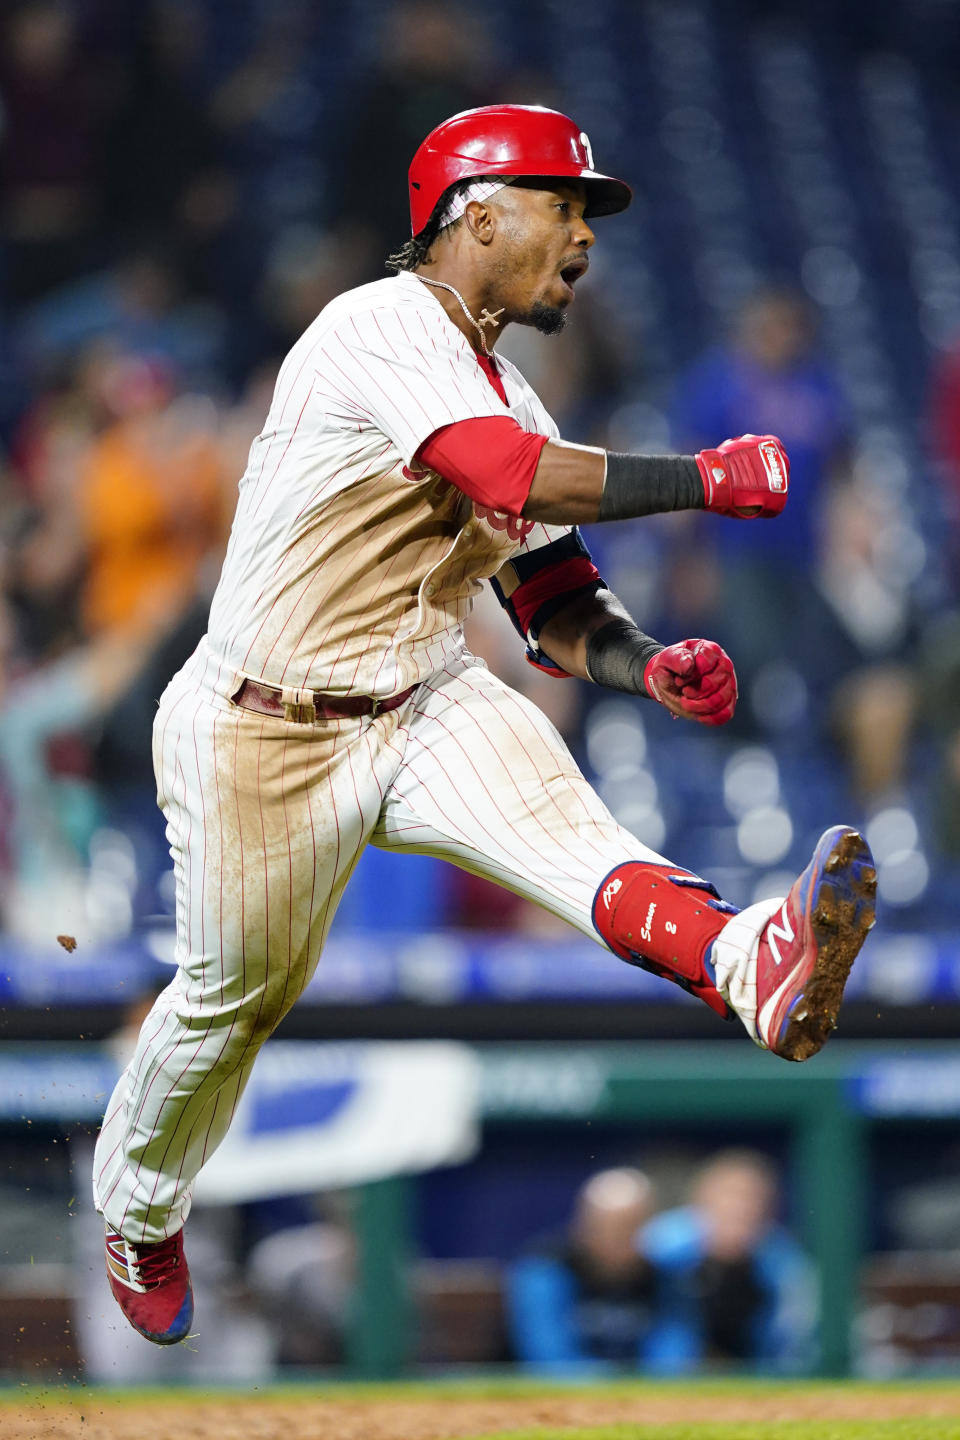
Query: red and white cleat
x,y
781,965
151,1284
808,947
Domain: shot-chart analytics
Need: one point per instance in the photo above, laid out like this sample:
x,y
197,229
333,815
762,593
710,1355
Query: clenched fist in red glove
x,y
695,680
748,477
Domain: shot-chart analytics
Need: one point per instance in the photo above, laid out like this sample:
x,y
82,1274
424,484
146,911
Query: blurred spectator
x,y
303,1276
940,652
944,437
151,502
130,511
732,1286
163,161
140,304
41,577
220,444
304,270
582,1301
434,61
940,671
868,664
52,103
801,603
129,496
770,374
759,578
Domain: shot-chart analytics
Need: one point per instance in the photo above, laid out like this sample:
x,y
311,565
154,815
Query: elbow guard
x,y
536,584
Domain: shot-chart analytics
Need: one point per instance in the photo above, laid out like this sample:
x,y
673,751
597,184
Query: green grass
x,y
310,1385
693,1398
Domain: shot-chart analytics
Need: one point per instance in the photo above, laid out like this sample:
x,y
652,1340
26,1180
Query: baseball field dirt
x,y
501,1411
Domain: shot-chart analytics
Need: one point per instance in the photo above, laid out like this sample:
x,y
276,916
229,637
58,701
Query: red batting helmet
x,y
508,140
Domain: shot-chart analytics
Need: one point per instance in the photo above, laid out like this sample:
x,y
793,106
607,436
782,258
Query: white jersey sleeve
x,y
405,373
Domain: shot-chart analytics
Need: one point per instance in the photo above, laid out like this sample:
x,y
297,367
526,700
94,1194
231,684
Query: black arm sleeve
x,y
617,654
649,485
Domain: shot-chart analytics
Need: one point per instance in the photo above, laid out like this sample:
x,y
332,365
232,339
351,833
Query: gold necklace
x,y
485,317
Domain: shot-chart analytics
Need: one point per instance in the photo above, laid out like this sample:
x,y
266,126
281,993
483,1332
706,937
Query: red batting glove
x,y
694,680
748,477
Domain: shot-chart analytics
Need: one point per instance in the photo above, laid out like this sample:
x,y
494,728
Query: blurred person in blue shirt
x,y
732,1285
581,1300
769,371
815,624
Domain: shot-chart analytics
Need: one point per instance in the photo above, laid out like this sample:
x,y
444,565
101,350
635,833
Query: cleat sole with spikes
x,y
842,913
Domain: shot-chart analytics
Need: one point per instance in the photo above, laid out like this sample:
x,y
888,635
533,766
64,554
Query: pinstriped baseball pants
x,y
266,820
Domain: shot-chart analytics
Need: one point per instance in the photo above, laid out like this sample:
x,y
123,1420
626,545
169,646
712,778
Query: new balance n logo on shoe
x,y
779,931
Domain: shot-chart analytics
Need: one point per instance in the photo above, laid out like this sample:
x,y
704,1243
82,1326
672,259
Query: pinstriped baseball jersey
x,y
350,567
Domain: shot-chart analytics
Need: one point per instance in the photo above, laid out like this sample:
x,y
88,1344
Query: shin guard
x,y
664,920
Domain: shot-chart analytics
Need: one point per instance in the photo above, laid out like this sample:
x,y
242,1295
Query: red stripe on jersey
x,y
552,580
491,459
489,367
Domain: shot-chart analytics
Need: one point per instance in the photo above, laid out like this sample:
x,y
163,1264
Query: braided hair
x,y
415,251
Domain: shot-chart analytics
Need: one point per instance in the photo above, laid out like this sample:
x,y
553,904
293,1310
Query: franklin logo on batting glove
x,y
758,472
771,452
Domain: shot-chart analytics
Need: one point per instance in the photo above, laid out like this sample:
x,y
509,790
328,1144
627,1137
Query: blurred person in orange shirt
x,y
127,517
151,500
122,485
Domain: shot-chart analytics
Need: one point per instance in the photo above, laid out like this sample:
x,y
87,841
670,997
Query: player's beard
x,y
515,259
548,319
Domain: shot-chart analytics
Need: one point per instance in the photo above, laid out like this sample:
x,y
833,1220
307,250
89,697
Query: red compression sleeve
x,y
493,460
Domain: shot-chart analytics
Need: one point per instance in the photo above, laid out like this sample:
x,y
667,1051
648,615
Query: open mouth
x,y
571,272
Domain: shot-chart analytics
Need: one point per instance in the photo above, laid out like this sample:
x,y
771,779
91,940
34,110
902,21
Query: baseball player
x,y
333,703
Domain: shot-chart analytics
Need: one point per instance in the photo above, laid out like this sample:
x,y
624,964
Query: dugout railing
x,y
826,1108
